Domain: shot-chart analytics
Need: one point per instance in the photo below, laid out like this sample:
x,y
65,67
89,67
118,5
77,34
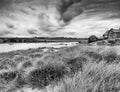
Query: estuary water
x,y
25,46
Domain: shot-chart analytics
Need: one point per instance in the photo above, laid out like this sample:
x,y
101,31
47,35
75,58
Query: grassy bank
x,y
81,68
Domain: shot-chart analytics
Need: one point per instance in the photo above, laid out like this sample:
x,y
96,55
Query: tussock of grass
x,y
37,55
7,78
94,55
76,64
39,64
40,78
20,81
110,56
20,58
117,61
27,64
6,64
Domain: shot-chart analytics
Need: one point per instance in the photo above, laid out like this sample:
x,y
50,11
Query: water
x,y
25,46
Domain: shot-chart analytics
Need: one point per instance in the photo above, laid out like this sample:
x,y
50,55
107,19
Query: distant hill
x,y
40,39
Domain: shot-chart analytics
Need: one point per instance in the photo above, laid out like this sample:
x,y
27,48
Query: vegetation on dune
x,y
39,64
95,78
94,55
36,55
40,78
76,64
27,64
93,69
20,81
110,56
6,63
100,76
8,76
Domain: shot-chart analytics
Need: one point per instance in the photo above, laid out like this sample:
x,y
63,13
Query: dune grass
x,y
98,78
75,69
40,78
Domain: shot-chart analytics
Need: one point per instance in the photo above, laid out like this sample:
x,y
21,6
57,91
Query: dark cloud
x,y
72,8
5,3
109,8
24,11
71,12
4,33
32,31
9,25
69,9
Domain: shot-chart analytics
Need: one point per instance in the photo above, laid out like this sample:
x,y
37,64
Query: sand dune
x,y
80,68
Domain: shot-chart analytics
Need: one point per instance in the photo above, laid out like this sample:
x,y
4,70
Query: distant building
x,y
92,38
112,34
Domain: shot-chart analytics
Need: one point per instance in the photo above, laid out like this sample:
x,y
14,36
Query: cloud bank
x,y
71,18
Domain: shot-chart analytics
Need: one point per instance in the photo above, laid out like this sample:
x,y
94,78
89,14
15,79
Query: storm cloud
x,y
59,17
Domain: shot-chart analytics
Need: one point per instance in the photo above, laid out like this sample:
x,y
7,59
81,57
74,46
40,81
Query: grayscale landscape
x,y
59,45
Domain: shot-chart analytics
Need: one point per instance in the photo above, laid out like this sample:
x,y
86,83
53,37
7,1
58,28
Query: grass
x,y
27,64
75,69
76,64
94,55
36,55
8,76
110,56
40,78
20,81
94,79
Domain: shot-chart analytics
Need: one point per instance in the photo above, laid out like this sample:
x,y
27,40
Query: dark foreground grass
x,y
95,56
27,64
8,76
110,56
20,81
76,64
40,78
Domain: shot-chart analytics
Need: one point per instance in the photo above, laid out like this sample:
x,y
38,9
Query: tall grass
x,y
93,69
76,64
110,56
40,78
97,78
8,76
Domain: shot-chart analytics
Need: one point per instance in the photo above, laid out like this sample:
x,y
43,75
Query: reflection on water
x,y
24,46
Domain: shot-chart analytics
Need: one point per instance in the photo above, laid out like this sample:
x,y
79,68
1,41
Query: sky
x,y
58,18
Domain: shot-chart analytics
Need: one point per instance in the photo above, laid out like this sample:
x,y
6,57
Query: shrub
x,y
42,77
